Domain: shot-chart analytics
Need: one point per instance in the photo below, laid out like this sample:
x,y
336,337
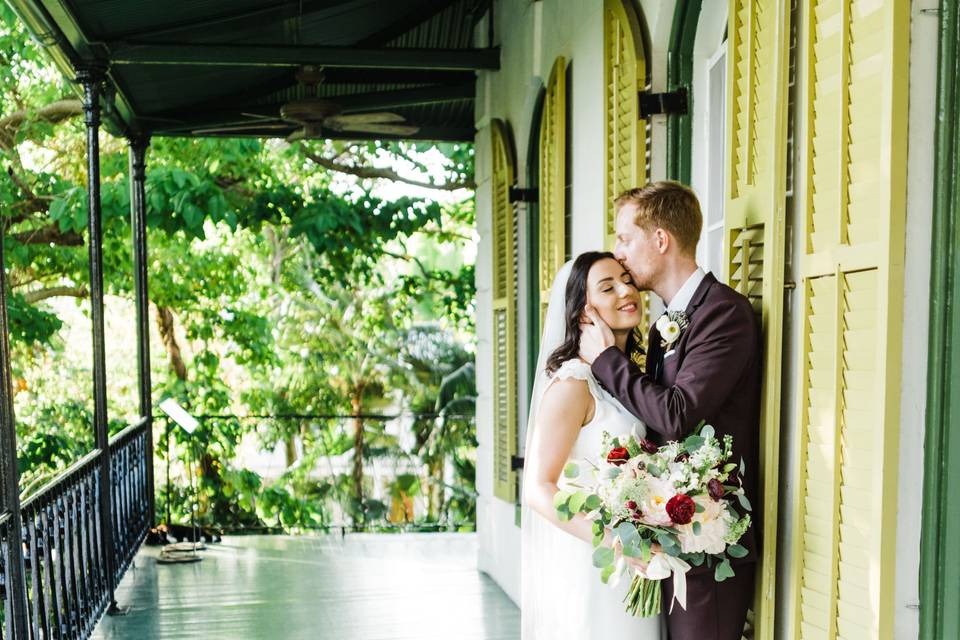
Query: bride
x,y
562,595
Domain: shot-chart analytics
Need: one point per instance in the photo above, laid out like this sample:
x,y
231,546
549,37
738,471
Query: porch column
x,y
138,224
91,77
10,500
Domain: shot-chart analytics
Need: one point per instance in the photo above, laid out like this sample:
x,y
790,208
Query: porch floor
x,y
362,587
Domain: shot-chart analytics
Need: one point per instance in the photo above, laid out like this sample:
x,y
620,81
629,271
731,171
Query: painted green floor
x,y
364,587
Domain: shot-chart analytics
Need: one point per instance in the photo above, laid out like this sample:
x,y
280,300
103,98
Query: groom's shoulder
x,y
721,300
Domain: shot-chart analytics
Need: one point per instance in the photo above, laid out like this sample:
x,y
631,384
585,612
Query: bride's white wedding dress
x,y
562,595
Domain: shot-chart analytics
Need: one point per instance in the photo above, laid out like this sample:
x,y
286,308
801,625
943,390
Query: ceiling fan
x,y
313,116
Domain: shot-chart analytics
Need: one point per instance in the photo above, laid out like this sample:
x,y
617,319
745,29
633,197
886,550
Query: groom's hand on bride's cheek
x,y
595,335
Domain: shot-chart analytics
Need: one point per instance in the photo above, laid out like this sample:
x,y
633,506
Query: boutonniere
x,y
670,326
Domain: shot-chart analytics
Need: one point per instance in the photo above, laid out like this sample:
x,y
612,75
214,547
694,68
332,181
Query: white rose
x,y
714,525
654,505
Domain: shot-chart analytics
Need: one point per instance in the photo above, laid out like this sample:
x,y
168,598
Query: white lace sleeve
x,y
579,370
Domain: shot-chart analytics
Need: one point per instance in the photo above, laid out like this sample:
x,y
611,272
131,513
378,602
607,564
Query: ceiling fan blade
x,y
364,118
242,127
390,129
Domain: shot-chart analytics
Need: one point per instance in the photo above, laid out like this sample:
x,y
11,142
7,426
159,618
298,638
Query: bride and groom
x,y
589,382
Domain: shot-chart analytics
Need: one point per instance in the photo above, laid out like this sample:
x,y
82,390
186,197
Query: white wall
x,y
922,117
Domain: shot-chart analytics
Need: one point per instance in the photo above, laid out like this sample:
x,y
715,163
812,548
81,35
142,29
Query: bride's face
x,y
611,292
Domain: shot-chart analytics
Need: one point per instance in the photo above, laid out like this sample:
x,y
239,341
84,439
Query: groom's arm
x,y
724,345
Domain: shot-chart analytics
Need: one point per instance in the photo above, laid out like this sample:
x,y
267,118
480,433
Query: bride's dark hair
x,y
576,293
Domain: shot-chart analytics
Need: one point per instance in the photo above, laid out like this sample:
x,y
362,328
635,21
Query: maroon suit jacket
x,y
712,374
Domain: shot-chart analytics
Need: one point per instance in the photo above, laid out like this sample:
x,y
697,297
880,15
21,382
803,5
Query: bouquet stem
x,y
643,599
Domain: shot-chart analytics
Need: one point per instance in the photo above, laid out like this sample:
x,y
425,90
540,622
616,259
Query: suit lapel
x,y
701,293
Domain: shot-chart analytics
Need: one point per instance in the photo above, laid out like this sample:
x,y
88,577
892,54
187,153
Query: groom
x,y
710,372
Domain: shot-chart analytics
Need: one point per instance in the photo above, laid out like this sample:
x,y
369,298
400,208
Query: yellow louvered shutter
x,y
625,139
553,181
504,314
754,213
854,107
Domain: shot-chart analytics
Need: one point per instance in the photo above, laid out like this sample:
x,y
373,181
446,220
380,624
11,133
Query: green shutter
x,y
852,195
625,139
504,315
553,136
754,211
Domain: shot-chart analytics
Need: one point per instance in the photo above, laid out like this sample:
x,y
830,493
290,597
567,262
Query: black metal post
x,y
138,223
15,576
91,77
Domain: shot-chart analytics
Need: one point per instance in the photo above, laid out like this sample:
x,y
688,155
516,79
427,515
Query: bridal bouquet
x,y
670,506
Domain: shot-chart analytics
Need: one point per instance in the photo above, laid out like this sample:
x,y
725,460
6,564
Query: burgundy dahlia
x,y
715,489
648,445
681,508
618,456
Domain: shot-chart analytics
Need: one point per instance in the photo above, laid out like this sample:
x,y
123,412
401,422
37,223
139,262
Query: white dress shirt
x,y
682,299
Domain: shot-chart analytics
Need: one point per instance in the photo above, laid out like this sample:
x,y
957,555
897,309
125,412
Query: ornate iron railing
x,y
66,565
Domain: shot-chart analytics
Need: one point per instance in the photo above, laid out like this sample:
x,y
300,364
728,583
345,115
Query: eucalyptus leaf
x,y
736,551
576,502
744,502
697,527
723,571
571,470
603,556
707,432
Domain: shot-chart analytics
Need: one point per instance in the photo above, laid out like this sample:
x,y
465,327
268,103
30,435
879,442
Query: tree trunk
x,y
357,405
165,323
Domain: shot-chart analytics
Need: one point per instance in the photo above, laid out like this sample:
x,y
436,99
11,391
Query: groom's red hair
x,y
667,205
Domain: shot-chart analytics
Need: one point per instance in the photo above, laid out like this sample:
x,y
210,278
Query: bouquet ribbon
x,y
660,568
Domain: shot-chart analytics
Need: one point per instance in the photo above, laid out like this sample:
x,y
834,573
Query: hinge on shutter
x,y
670,103
524,195
516,462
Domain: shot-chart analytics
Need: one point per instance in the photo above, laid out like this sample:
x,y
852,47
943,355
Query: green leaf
x,y
576,502
645,550
560,499
737,551
607,572
723,571
697,527
627,533
695,559
698,508
571,470
727,468
593,502
744,502
707,432
603,557
692,443
631,550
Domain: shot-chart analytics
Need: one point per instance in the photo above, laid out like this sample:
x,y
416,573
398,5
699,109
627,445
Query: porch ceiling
x,y
189,68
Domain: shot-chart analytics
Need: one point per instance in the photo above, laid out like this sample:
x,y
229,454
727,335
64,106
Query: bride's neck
x,y
620,339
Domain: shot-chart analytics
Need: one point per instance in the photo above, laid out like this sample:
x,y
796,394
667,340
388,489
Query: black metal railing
x,y
66,563
130,493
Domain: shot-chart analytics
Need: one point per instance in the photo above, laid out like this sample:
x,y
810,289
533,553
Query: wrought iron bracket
x,y
670,103
518,194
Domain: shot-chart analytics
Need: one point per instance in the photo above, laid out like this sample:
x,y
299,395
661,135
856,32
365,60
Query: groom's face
x,y
637,249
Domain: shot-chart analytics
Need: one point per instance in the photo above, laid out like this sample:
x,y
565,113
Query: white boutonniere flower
x,y
670,326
